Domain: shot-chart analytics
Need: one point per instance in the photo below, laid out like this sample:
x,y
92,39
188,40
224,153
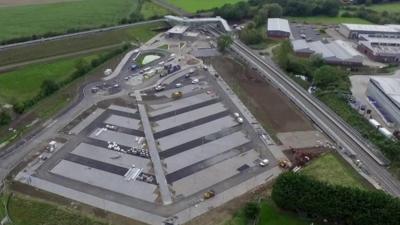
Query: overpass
x,y
219,21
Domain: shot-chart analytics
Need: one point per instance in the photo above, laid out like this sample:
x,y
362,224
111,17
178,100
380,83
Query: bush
x,y
337,204
5,118
251,210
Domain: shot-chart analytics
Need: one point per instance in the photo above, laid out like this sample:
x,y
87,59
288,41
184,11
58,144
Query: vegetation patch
x,y
24,210
393,7
196,5
137,34
22,84
332,169
328,20
267,214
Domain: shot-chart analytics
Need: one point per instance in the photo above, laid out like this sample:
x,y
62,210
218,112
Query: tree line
x,y
337,204
245,10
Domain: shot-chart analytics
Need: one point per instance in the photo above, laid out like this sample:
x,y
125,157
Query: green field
x,y
140,33
25,211
393,7
18,21
269,215
326,20
23,84
334,170
195,5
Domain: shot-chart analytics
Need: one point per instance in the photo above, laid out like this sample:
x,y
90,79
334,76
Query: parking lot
x,y
156,139
306,31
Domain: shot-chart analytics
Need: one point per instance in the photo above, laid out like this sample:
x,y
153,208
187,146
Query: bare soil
x,y
271,107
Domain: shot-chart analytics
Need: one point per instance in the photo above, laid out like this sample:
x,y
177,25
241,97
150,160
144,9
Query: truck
x,y
176,95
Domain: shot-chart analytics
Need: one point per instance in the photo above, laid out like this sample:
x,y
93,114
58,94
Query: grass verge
x,y
334,170
24,210
393,7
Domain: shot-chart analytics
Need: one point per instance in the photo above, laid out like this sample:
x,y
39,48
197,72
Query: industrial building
x,y
337,52
353,31
381,49
384,94
278,28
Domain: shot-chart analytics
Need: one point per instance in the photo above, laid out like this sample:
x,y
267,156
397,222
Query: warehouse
x,y
278,28
352,31
384,94
385,50
336,53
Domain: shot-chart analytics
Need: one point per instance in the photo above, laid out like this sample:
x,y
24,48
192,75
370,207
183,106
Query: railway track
x,y
374,163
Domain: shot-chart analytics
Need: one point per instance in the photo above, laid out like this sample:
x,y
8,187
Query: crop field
x,y
28,20
140,33
195,5
389,7
327,20
334,170
23,84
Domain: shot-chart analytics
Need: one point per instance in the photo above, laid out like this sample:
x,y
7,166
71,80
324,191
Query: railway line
x,y
349,140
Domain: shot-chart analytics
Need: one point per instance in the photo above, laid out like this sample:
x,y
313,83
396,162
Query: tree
x,y
329,77
251,36
5,118
224,42
274,10
251,210
48,87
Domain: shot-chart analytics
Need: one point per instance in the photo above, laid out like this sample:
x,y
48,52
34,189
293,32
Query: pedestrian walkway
x,y
155,158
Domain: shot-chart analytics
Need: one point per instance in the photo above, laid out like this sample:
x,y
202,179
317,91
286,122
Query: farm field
x,y
389,7
28,20
23,210
326,20
195,5
139,33
334,170
22,84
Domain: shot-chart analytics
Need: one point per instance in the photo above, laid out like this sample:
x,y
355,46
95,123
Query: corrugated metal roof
x,y
389,85
370,28
278,24
337,50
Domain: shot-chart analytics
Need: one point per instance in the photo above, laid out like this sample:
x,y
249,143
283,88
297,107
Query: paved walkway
x,y
155,158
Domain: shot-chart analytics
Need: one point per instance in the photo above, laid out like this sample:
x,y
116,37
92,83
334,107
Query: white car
x,y
195,81
264,162
178,85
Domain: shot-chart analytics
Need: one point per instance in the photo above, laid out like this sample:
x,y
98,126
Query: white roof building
x,y
370,28
278,24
